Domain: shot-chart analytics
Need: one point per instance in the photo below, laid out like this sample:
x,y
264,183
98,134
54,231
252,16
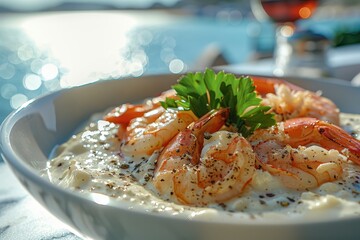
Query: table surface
x,y
21,217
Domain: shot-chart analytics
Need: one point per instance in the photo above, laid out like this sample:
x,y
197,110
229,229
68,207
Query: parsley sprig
x,y
203,92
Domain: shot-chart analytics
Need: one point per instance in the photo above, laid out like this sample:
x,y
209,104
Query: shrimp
x,y
129,116
264,85
191,173
145,135
126,112
137,125
304,152
305,131
290,101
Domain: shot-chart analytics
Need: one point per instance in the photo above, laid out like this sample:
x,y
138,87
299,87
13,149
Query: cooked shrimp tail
x,y
304,131
264,85
124,113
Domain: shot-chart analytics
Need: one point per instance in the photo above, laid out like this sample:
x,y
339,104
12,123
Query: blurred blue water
x,y
28,69
22,58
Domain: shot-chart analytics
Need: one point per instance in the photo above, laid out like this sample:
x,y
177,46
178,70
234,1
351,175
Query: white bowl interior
x,y
29,135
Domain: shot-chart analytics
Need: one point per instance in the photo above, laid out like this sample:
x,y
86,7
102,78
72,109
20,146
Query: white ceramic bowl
x,y
29,134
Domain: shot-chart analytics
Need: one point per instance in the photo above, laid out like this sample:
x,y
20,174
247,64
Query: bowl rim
x,y
17,164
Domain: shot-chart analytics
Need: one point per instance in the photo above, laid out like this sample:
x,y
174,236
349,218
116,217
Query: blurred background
x,y
48,45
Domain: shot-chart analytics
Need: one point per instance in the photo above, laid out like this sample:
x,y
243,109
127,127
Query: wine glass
x,y
284,13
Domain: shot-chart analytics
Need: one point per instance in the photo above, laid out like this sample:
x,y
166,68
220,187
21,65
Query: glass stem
x,y
283,49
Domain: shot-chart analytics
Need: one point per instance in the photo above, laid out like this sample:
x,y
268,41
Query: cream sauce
x,y
91,162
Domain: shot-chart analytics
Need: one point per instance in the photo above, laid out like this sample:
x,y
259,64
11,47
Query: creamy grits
x,y
91,162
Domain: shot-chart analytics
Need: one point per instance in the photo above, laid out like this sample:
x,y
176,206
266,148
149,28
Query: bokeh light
x,y
7,71
176,66
287,31
8,90
25,52
49,71
305,12
32,82
17,100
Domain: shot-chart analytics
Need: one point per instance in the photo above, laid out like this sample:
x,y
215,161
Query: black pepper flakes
x,y
284,203
270,195
290,199
124,166
147,178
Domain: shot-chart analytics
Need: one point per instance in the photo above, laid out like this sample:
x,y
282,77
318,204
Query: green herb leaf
x,y
203,92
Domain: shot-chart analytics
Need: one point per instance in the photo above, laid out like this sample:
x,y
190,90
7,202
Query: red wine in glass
x,y
282,11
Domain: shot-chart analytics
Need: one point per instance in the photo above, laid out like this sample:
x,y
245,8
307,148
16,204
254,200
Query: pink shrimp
x,y
190,173
126,112
305,152
145,120
149,133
